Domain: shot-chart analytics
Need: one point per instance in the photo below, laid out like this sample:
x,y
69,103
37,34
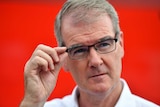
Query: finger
x,y
62,57
36,64
46,57
56,52
53,52
60,50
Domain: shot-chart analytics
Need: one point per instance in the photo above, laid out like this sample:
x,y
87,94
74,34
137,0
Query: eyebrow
x,y
100,40
105,38
75,46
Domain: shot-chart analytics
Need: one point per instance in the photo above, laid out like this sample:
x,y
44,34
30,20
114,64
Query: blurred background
x,y
26,23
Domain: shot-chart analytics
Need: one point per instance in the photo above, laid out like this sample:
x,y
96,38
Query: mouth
x,y
98,75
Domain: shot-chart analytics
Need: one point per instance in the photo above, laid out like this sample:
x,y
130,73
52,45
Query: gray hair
x,y
80,8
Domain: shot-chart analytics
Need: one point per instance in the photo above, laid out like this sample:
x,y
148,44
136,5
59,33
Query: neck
x,y
108,99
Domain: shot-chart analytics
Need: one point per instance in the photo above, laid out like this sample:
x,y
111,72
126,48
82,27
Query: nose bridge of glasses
x,y
93,54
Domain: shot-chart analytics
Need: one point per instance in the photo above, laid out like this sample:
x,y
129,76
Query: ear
x,y
121,42
121,39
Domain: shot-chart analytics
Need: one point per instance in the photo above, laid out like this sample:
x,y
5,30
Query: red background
x,y
24,25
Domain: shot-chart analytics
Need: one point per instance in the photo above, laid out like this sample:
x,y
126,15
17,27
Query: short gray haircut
x,y
81,8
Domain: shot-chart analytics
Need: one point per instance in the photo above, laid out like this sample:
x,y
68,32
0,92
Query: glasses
x,y
105,45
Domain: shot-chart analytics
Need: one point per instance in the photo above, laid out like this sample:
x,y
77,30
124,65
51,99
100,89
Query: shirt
x,y
127,99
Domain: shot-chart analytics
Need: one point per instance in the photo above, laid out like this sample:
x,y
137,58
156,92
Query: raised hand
x,y
41,73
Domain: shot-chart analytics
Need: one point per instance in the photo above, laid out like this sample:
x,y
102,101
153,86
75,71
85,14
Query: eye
x,y
104,44
79,51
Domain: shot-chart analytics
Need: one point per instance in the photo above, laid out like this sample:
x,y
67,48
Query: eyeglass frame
x,y
115,39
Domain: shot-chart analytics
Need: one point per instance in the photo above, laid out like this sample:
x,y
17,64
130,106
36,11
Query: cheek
x,y
113,62
78,70
77,66
117,61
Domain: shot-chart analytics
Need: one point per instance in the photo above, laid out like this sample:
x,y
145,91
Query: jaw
x,y
99,98
99,86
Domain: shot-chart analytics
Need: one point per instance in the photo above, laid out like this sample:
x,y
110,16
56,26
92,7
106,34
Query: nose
x,y
94,58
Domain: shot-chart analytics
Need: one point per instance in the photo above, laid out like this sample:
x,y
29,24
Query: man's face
x,y
97,73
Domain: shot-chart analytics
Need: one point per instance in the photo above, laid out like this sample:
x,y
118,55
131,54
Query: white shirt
x,y
127,99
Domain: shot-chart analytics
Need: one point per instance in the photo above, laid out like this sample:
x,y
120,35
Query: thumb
x,y
60,63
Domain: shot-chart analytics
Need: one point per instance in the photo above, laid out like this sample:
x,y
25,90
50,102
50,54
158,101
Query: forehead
x,y
85,31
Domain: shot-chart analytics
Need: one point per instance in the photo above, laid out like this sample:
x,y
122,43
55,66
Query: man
x,y
91,49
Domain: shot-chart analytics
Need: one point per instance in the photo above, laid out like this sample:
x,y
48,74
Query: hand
x,y
41,73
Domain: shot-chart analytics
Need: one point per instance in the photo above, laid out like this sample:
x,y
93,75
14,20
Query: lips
x,y
97,75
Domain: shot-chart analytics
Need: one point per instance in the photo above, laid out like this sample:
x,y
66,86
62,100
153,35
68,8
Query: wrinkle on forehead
x,y
80,32
86,39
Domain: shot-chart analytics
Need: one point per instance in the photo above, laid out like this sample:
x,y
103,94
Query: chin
x,y
101,89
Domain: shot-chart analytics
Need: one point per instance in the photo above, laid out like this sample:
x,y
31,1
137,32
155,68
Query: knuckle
x,y
38,52
38,61
40,46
